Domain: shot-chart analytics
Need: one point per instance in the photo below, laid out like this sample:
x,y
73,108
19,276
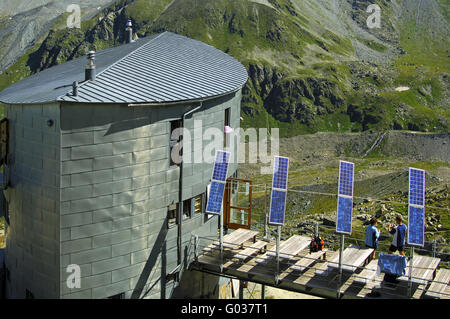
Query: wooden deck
x,y
238,237
292,246
423,269
353,258
439,286
313,275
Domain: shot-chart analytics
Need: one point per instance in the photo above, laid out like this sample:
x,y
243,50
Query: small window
x,y
118,296
187,209
226,136
175,139
198,205
28,294
172,214
4,140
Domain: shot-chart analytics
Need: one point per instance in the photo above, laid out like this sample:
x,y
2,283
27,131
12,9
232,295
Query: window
x,y
4,140
187,209
28,294
118,296
172,214
198,205
175,139
226,137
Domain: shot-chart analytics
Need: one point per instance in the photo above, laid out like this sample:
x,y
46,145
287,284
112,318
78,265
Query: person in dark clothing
x,y
399,232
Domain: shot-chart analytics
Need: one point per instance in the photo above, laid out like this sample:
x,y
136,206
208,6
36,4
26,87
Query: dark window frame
x,y
175,124
227,122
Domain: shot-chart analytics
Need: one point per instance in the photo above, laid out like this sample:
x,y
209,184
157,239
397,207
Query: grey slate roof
x,y
163,68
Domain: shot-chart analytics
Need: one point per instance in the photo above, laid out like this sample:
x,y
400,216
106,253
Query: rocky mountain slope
x,y
314,65
25,23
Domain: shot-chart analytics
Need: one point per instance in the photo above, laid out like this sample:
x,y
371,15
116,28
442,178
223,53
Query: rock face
x,y
312,66
23,23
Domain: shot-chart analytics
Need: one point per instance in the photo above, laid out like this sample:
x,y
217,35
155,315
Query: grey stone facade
x,y
94,190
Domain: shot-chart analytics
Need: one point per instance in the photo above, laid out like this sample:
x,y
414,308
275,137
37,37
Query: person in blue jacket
x,y
372,235
399,232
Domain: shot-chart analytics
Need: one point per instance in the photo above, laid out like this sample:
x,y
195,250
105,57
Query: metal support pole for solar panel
x,y
410,273
196,248
241,290
221,240
278,253
266,218
341,256
434,248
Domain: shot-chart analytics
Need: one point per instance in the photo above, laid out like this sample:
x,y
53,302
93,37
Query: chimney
x,y
75,88
90,68
129,32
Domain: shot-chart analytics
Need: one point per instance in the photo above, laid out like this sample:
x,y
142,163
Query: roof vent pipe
x,y
75,88
129,32
90,68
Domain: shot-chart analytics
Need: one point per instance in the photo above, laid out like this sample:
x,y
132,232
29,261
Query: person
x,y
372,235
399,232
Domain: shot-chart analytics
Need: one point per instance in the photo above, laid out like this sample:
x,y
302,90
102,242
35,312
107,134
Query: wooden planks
x,y
308,260
322,268
423,269
252,250
237,238
368,273
291,247
354,256
439,284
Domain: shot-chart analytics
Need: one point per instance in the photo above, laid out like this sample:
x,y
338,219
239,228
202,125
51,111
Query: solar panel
x,y
218,181
279,190
215,198
416,210
344,215
345,197
221,166
280,172
277,207
346,172
416,226
416,187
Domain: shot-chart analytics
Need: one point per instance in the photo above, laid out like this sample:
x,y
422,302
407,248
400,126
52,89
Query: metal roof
x,y
163,68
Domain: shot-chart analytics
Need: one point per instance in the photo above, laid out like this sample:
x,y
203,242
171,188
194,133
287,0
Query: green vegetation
x,y
302,74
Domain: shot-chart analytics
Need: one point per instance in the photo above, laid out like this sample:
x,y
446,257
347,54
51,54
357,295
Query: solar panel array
x,y
345,197
416,211
346,178
221,166
280,173
218,181
416,187
416,226
344,216
215,198
279,190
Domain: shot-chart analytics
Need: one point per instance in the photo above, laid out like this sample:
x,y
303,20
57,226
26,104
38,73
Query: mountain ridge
x,y
313,65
